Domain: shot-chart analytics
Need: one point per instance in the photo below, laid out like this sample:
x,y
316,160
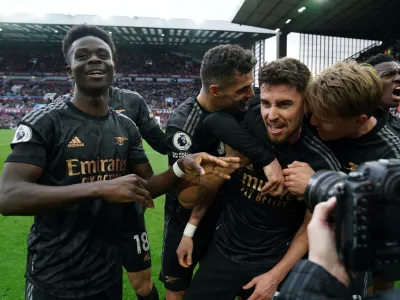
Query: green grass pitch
x,y
14,230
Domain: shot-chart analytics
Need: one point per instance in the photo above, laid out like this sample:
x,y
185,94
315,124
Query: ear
x,y
69,72
214,90
361,120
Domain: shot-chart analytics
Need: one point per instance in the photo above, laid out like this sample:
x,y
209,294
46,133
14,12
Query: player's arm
x,y
298,248
265,285
149,128
227,129
192,166
21,195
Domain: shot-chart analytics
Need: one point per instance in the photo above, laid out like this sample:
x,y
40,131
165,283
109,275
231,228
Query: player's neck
x,y
367,127
205,100
295,137
94,105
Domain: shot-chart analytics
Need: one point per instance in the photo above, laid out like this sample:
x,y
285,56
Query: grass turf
x,y
14,230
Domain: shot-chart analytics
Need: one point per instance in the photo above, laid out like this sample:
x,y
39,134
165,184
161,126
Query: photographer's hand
x,y
322,242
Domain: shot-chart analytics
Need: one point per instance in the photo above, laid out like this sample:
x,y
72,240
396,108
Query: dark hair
x,y
285,71
380,58
222,62
83,30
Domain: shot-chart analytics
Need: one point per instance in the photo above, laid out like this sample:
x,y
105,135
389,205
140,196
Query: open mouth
x,y
275,129
396,93
95,73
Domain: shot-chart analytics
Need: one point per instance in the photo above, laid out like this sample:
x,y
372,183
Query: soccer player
x,y
343,100
260,237
72,163
136,248
227,78
389,71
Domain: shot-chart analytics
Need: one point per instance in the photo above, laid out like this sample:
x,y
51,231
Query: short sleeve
x,y
149,127
34,138
178,143
27,147
147,120
137,154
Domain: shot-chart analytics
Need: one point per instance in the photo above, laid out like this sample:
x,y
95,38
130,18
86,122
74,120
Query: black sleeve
x,y
29,153
178,143
309,281
137,155
149,127
227,129
31,143
155,137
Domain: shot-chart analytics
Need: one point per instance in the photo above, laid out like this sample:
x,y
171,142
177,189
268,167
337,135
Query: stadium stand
x,y
35,77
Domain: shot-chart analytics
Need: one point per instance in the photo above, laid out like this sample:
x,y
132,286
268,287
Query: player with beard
x,y
71,163
389,71
260,237
136,248
343,100
227,78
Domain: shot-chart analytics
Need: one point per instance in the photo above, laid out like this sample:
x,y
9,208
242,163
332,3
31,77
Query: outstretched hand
x,y
200,164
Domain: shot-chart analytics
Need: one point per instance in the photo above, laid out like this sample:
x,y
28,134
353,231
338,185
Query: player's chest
x,y
93,141
248,183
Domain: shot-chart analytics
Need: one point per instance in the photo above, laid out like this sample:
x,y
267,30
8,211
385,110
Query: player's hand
x,y
229,152
322,244
265,286
129,188
273,172
297,176
200,164
185,251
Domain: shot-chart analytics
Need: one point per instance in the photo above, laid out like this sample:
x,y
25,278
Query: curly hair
x,y
222,62
79,31
380,58
285,71
346,89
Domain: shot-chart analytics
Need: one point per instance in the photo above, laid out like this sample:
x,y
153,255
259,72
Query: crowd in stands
x,y
141,61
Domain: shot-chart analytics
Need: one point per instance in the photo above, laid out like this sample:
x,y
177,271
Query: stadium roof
x,y
367,19
131,30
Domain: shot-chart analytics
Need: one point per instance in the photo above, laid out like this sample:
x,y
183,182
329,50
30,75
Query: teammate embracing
x,y
72,163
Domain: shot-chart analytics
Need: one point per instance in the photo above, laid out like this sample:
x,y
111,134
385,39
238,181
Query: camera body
x,y
367,214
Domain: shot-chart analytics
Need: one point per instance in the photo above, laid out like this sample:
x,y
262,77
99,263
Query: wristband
x,y
177,170
189,230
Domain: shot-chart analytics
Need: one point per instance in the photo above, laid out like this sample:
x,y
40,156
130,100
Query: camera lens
x,y
391,189
323,185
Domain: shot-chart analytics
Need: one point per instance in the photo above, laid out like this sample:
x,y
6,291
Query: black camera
x,y
366,216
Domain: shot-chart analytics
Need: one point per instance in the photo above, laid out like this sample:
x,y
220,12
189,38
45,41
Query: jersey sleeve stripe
x,y
391,140
39,113
196,121
326,150
326,154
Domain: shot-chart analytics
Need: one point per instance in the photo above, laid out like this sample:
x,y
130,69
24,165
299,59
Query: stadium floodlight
x,y
288,21
302,9
277,30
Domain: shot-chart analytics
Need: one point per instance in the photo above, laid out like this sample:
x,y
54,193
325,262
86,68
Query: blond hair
x,y
346,90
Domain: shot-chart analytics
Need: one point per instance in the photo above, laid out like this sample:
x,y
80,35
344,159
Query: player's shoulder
x,y
184,113
125,94
123,119
319,155
63,98
42,116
